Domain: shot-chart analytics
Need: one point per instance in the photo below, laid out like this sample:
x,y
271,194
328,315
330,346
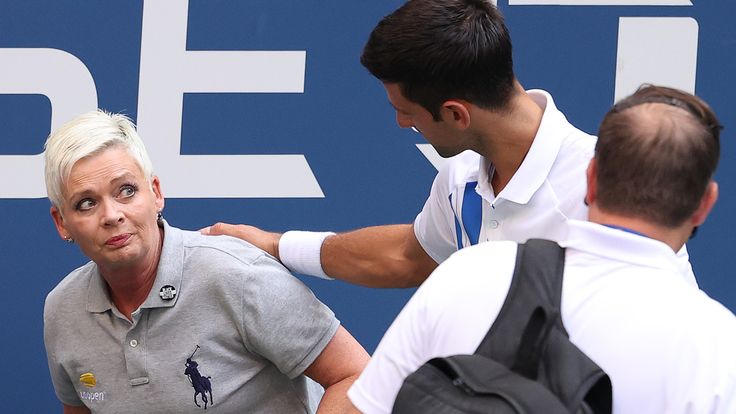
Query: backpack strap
x,y
529,338
533,298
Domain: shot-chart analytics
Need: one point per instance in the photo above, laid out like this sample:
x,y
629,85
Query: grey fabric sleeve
x,y
282,319
63,385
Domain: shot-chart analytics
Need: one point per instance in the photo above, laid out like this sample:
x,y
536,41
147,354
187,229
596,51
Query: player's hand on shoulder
x,y
266,241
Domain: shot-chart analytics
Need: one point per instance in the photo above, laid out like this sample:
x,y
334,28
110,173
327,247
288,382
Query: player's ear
x,y
457,112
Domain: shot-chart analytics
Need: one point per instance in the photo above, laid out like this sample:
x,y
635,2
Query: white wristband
x,y
300,252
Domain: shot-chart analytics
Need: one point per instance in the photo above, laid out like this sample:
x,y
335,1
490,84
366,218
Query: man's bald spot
x,y
661,122
654,159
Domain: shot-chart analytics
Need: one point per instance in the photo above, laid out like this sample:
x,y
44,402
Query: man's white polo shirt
x,y
666,345
547,189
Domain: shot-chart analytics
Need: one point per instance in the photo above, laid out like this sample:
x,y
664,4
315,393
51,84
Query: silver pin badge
x,y
167,292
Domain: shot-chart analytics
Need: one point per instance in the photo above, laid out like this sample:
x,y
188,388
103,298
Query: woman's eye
x,y
85,204
127,191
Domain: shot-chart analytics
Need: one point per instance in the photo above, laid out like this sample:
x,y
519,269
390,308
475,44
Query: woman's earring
x,y
159,216
69,239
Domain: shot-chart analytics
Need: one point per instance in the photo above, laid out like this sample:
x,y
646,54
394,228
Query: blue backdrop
x,y
58,58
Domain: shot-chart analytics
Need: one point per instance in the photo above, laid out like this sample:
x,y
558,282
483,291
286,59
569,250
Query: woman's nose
x,y
112,214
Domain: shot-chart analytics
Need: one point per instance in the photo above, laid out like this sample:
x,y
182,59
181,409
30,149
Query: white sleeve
x,y
399,353
434,226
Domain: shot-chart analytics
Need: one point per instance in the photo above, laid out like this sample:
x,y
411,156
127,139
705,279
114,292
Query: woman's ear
x,y
59,223
156,188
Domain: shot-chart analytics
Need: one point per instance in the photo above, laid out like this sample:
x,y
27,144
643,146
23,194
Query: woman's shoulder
x,y
73,287
228,257
220,264
203,247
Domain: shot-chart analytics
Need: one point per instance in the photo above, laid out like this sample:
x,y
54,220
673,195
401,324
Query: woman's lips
x,y
117,241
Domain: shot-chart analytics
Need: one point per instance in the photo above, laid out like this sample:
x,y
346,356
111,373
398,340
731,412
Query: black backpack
x,y
526,362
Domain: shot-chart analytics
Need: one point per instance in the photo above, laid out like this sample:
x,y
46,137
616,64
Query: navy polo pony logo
x,y
202,385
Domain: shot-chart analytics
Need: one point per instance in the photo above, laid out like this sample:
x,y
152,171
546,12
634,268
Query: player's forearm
x,y
381,256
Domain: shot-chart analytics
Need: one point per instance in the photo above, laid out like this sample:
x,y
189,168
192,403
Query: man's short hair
x,y
657,151
444,49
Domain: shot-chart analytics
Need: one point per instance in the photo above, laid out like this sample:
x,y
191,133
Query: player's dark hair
x,y
437,50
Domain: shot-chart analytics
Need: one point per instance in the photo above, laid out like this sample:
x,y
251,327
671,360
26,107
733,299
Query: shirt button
x,y
133,343
493,224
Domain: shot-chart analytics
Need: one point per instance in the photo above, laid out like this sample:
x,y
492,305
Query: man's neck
x,y
675,238
505,137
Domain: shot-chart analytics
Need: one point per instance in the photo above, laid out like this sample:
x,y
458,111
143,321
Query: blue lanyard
x,y
628,230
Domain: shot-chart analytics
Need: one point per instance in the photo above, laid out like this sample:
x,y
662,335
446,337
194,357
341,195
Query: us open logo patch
x,y
88,379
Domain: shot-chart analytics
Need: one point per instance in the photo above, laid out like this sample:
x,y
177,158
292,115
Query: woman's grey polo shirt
x,y
228,314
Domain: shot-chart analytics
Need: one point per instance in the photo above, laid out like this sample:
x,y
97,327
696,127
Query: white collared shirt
x,y
666,345
546,190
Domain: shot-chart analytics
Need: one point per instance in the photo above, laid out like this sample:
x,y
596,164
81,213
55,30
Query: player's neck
x,y
506,136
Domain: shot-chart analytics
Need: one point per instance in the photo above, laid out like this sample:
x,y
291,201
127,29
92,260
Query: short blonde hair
x,y
86,135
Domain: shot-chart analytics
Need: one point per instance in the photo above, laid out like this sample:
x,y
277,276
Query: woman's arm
x,y
336,368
